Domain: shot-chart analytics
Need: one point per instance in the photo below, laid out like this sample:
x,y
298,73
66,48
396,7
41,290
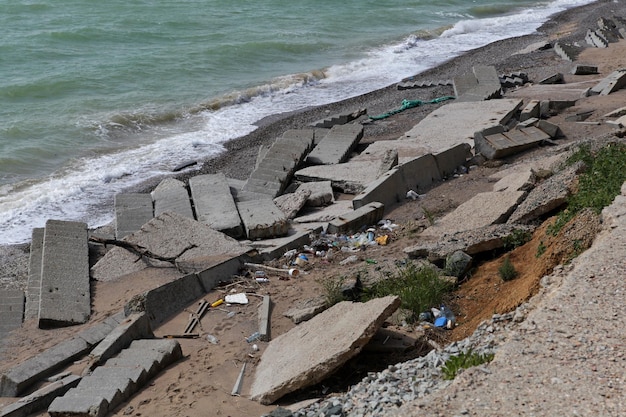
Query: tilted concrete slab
x,y
547,196
349,177
613,82
552,92
40,399
387,189
311,351
65,291
168,235
523,179
135,326
336,146
172,196
215,205
483,84
17,379
481,210
500,145
33,291
275,248
368,214
472,242
456,123
162,302
132,211
262,219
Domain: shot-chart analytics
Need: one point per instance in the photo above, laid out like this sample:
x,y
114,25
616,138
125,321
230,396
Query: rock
x,y
313,350
458,263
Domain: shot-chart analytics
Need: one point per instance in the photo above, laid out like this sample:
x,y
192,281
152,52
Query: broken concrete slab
x,y
321,193
449,160
306,309
132,210
523,179
456,122
33,291
550,128
169,235
65,290
585,69
531,110
324,214
290,204
567,51
262,219
365,215
336,146
613,82
40,399
500,145
481,210
349,177
171,195
311,351
20,377
482,84
274,248
215,205
473,242
547,196
338,119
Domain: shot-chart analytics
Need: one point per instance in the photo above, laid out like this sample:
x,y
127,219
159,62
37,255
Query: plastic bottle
x,y
212,339
449,315
254,336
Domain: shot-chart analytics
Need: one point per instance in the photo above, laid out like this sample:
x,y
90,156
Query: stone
x,y
458,264
311,351
306,309
520,180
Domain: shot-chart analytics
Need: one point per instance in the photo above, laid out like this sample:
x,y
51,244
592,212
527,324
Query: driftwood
x,y
139,250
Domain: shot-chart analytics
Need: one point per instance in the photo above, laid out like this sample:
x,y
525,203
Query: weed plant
x,y
419,289
517,238
507,270
463,361
598,186
332,289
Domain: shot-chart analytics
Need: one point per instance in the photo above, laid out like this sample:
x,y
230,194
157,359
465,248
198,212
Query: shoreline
x,y
238,158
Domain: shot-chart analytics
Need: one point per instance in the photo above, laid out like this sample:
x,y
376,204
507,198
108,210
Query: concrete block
x,y
112,395
17,379
550,128
450,159
363,216
78,407
215,205
137,368
387,189
11,310
65,292
136,326
321,193
132,211
585,69
531,110
262,219
508,143
33,291
222,272
160,303
96,333
336,145
265,313
171,196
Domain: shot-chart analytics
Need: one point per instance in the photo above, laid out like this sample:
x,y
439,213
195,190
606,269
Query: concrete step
x,y
336,145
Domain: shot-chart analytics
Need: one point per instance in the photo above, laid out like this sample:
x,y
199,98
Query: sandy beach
x,y
201,383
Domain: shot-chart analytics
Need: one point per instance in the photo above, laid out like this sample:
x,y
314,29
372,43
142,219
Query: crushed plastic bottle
x,y
212,339
253,337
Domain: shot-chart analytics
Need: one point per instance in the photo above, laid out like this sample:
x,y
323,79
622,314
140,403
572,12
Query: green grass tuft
x,y
507,270
463,361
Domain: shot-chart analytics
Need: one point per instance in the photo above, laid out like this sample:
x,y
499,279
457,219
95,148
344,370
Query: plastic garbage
x,y
262,280
212,339
253,337
449,316
349,260
239,298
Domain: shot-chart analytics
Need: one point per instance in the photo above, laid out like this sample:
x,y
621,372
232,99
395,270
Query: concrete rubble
x,y
323,162
327,341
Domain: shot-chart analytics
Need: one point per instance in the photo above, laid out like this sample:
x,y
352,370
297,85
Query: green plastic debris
x,y
408,104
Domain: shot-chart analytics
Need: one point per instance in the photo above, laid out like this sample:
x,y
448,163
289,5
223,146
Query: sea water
x,y
96,97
